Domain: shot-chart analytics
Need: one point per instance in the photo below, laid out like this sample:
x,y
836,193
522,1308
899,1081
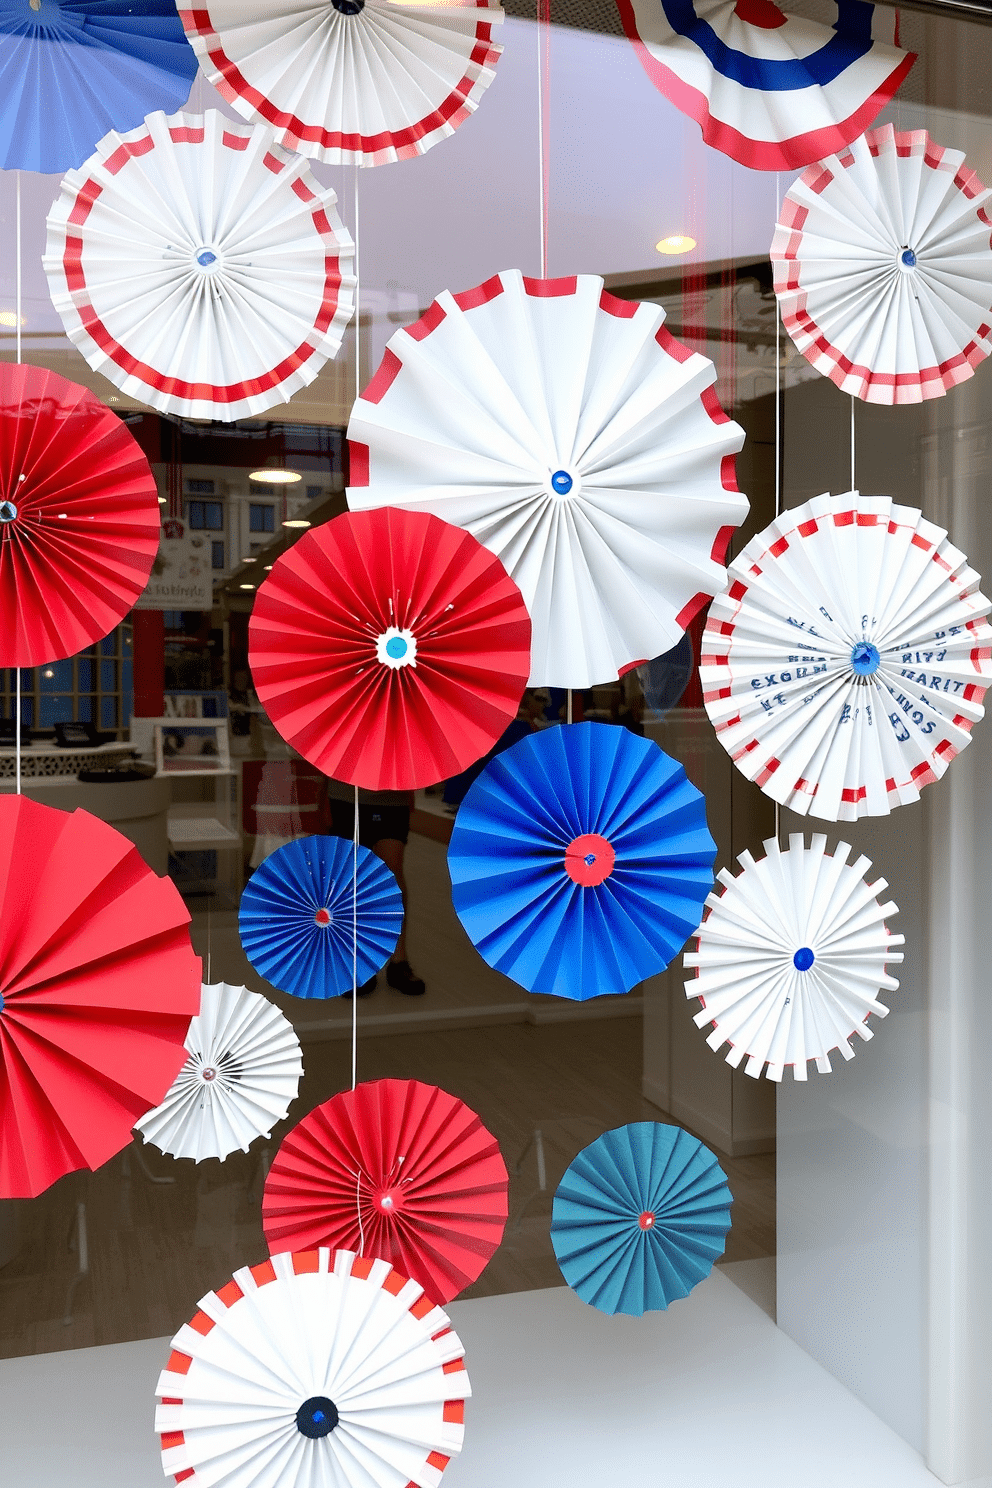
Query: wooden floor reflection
x,y
161,1233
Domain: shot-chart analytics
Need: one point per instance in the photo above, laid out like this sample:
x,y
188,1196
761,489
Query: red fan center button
x,y
209,1074
761,13
322,917
646,1220
388,1200
589,859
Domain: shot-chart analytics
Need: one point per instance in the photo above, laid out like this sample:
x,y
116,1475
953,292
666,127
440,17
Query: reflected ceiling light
x,y
296,522
162,501
9,318
249,560
246,586
676,243
268,568
276,477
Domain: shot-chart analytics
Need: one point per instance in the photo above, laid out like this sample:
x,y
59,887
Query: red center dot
x,y
209,1074
646,1220
322,917
589,859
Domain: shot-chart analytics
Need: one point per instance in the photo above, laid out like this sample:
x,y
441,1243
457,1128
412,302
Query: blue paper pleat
x,y
506,859
75,69
277,923
604,1254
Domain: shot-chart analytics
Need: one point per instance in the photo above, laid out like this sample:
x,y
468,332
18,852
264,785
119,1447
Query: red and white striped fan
x,y
845,664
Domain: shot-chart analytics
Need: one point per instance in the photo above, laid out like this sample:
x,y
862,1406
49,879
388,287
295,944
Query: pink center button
x,y
589,859
646,1220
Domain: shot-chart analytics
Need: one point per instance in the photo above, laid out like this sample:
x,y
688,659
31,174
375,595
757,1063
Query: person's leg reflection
x,y
399,973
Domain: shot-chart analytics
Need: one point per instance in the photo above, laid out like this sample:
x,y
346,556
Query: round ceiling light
x,y
676,243
296,522
276,477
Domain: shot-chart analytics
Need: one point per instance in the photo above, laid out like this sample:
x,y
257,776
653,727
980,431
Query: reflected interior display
x,y
791,956
324,639
72,70
574,436
367,81
99,983
580,860
845,665
398,1168
883,267
79,518
640,1217
771,90
200,267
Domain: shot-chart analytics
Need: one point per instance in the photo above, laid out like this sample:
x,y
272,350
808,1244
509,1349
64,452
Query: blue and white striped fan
x,y
298,910
639,1218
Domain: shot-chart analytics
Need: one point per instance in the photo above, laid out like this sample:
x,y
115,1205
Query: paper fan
x,y
845,665
639,1218
580,861
357,80
883,267
73,69
200,267
79,518
313,1369
297,917
389,648
570,433
791,957
398,1168
98,983
772,91
241,1077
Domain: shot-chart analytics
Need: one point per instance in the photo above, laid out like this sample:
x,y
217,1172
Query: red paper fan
x,y
397,1170
98,983
389,648
79,522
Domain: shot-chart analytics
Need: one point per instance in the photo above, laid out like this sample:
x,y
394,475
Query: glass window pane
x,y
217,555
84,710
108,646
54,710
86,674
108,676
108,713
56,677
195,515
214,516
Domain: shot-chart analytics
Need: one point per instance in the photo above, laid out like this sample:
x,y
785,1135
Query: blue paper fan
x,y
580,861
297,916
72,70
639,1218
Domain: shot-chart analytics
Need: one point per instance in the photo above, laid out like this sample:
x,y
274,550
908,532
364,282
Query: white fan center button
x,y
396,648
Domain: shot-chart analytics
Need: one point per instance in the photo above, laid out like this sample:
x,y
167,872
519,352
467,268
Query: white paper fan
x,y
883,267
791,956
200,267
317,1369
845,664
354,80
242,1075
571,434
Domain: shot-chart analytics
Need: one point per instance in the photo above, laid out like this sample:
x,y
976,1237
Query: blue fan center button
x,y
803,959
865,659
908,258
561,482
205,257
316,1417
8,511
396,647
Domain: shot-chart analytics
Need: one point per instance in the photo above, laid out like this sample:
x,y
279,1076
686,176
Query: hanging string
x,y
208,940
569,714
543,125
778,434
358,298
17,306
17,729
853,486
358,1207
354,949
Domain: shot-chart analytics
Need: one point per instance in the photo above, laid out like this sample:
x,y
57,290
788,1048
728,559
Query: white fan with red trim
x,y
883,267
845,664
316,1368
200,267
571,434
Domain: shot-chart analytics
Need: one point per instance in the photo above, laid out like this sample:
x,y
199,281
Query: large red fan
x,y
79,518
389,648
397,1170
98,983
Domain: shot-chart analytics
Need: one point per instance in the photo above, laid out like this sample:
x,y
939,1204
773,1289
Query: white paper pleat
x,y
221,340
488,404
754,996
777,662
242,1075
285,1334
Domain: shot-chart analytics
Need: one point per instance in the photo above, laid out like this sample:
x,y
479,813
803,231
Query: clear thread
x,y
358,298
543,126
354,949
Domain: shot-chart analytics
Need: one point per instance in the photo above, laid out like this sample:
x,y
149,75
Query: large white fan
x,y
241,1077
317,1369
790,958
883,267
362,80
845,664
577,439
200,267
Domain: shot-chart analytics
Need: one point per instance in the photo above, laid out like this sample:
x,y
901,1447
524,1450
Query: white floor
x,y
707,1395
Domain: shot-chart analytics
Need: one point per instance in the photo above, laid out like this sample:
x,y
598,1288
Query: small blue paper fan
x,y
580,861
639,1218
72,70
297,916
